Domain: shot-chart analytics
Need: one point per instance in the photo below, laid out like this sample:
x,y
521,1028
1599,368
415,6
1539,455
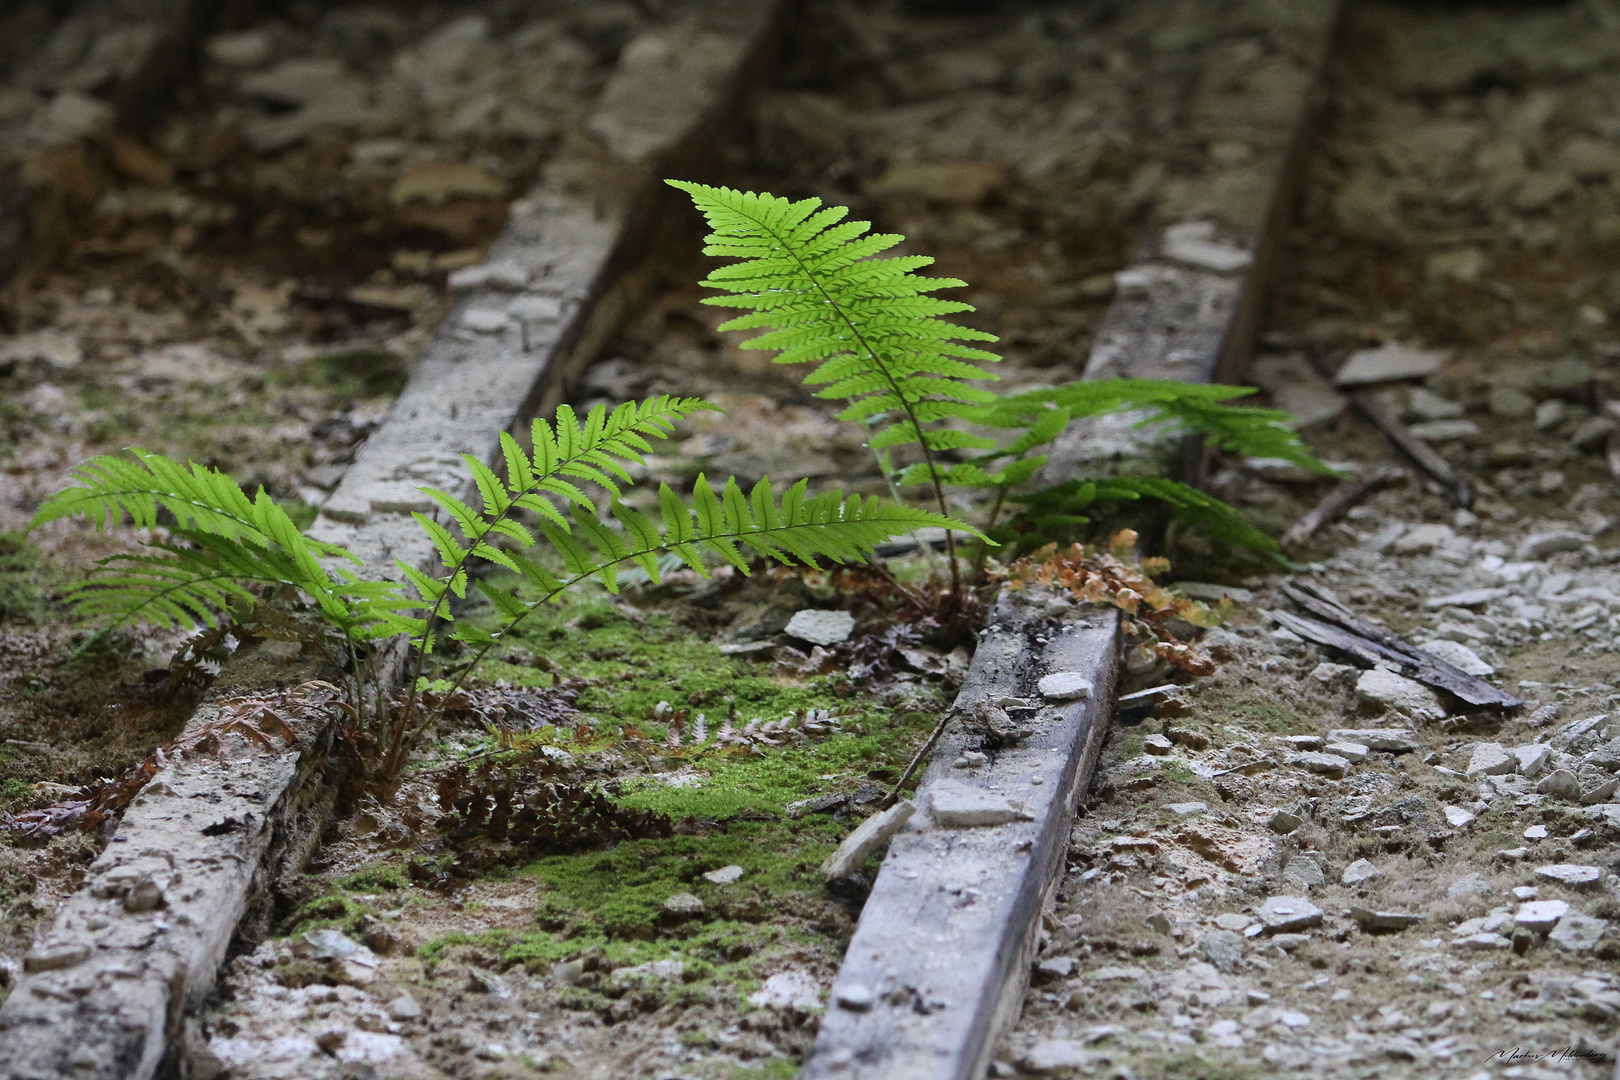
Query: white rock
x,y
1359,871
1560,784
1459,656
794,990
1469,599
403,1008
1055,1055
1328,672
1570,874
1422,539
1187,809
1388,690
1329,765
1354,752
1387,362
855,997
533,308
1203,590
1577,933
1541,545
1065,686
866,840
1532,758
1445,430
1458,817
244,49
484,320
958,806
1293,1019
821,627
1540,915
1194,243
1428,405
1484,941
725,875
1490,759
1289,913
1392,740
495,275
69,117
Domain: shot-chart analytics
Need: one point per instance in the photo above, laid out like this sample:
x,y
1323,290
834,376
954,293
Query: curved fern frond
x,y
1050,511
726,523
1195,407
221,541
811,281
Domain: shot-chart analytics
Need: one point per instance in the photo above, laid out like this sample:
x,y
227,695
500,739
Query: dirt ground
x,y
1462,198
251,287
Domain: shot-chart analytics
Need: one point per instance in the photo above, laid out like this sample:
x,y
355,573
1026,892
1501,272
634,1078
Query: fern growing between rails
x,y
223,543
1190,408
809,279
869,324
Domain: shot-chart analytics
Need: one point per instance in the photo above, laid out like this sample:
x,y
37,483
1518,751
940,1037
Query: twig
x,y
894,795
1340,499
1422,454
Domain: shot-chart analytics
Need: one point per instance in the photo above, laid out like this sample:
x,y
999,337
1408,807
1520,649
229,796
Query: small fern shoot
x,y
1192,408
809,279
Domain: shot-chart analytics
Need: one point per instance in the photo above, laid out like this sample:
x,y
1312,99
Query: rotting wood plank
x,y
1372,644
940,959
1194,318
125,55
945,971
106,994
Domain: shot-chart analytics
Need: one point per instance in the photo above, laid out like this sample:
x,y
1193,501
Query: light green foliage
x,y
727,523
809,279
220,542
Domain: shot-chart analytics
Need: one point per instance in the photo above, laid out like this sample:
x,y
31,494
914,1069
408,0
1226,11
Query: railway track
x,y
1184,131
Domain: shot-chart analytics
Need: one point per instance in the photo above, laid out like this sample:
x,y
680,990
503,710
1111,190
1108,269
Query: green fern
x,y
1193,407
225,542
1052,512
726,524
220,542
809,279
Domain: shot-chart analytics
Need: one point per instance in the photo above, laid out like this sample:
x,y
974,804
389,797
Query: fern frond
x,y
1053,510
1195,407
726,523
221,542
811,281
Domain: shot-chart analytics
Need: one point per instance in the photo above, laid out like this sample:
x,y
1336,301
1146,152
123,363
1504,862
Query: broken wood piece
x,y
867,840
1340,499
940,959
1382,416
1189,311
1342,629
104,992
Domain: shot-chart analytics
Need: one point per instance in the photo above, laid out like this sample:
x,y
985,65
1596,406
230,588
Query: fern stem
x,y
984,546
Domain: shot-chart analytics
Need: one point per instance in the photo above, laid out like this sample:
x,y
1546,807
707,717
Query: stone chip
x,y
1283,914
